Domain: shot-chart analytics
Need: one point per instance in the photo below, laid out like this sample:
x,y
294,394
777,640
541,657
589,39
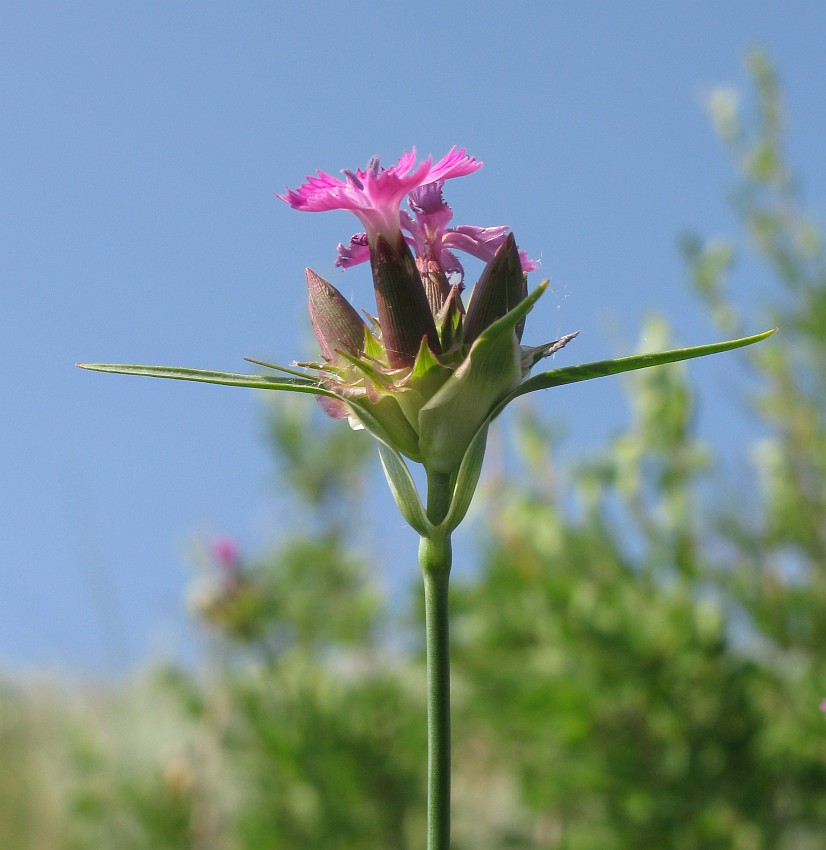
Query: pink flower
x,y
356,251
430,237
375,193
433,240
823,706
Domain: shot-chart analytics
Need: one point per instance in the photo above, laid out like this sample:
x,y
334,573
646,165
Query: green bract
x,y
426,393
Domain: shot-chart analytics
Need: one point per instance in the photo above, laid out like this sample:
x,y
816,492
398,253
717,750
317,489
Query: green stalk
x,y
435,558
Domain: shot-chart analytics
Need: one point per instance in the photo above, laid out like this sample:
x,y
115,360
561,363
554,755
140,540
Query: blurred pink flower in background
x,y
225,552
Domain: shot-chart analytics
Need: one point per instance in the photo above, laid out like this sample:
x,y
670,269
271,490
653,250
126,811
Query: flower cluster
x,y
425,374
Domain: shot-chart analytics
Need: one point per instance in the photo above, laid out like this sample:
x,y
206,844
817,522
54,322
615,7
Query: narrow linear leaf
x,y
602,368
231,379
287,371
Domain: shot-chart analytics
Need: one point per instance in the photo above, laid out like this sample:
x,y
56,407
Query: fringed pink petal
x,y
356,251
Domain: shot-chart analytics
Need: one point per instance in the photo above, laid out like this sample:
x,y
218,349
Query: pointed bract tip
x,y
500,287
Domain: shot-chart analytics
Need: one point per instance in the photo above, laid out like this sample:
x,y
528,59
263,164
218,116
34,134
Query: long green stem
x,y
438,692
435,558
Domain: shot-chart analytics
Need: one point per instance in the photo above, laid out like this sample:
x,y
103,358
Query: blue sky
x,y
142,144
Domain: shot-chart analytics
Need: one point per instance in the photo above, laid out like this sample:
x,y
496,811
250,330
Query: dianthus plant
x,y
425,375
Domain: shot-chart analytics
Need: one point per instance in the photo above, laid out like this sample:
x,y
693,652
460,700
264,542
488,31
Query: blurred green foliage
x,y
638,662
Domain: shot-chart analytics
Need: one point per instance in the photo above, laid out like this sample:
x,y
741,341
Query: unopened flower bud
x,y
499,289
337,326
404,314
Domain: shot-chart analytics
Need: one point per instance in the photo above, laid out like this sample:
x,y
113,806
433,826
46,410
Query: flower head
x,y
375,193
425,376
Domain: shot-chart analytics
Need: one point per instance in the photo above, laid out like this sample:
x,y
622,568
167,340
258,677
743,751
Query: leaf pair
x,y
467,469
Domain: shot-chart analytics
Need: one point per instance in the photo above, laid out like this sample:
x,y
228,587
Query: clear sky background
x,y
140,147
